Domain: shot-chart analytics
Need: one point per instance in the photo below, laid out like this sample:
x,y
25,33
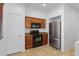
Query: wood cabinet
x,y
1,19
1,9
43,24
30,20
44,38
28,41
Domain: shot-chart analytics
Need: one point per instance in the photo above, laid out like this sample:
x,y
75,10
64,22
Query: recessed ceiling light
x,y
44,4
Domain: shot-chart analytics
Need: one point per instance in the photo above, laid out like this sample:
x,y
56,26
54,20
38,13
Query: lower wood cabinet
x,y
29,40
44,38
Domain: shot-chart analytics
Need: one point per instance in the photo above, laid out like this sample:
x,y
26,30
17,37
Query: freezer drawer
x,y
55,43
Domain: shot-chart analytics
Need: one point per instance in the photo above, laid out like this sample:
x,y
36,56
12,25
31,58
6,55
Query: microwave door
x,y
35,25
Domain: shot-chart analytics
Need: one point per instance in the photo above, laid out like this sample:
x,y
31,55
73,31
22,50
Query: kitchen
x,y
26,33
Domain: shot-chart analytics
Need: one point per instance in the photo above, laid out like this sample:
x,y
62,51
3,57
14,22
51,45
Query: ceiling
x,y
74,5
39,6
49,6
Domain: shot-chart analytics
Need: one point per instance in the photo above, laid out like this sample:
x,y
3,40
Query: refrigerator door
x,y
55,34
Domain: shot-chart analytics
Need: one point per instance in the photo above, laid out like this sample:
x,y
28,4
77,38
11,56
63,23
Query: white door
x,y
2,50
15,33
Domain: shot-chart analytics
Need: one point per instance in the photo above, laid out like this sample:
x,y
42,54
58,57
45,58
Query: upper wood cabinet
x,y
1,9
30,20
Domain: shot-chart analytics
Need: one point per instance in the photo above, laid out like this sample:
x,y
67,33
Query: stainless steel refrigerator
x,y
55,34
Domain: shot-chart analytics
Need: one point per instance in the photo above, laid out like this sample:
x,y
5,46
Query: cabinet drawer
x,y
28,46
29,42
28,38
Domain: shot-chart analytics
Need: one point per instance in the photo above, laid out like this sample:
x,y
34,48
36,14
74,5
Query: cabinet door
x,y
28,43
43,23
28,22
45,39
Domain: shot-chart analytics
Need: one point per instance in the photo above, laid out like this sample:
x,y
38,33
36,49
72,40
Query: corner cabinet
x,y
30,20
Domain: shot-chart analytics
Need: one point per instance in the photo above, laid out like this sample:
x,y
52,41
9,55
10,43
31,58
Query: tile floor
x,y
45,51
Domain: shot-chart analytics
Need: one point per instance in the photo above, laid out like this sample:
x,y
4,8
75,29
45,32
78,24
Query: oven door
x,y
37,40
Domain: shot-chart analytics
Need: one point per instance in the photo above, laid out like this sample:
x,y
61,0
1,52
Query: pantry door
x,y
15,40
2,40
